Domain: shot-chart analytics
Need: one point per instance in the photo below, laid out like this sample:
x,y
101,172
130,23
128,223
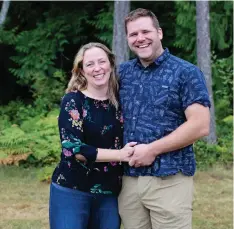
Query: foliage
x,y
4,121
45,37
16,112
208,155
43,40
185,33
103,22
223,85
38,50
222,32
221,27
13,141
44,49
39,137
36,136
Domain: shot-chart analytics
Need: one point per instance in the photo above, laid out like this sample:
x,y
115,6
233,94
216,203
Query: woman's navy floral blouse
x,y
86,124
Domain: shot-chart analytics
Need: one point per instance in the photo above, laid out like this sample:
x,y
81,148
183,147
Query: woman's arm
x,y
105,155
71,129
72,136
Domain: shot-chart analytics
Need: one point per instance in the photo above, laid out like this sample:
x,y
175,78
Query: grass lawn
x,y
24,200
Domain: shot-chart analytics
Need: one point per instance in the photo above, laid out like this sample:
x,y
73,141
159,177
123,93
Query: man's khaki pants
x,y
148,202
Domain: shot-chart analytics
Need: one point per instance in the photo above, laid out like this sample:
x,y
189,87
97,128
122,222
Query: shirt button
x,y
134,118
131,134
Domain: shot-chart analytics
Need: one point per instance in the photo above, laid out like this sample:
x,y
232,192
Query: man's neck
x,y
158,53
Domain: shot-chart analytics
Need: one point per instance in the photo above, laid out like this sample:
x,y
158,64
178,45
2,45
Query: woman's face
x,y
96,67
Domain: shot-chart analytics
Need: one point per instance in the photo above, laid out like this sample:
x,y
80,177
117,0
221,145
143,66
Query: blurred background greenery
x,y
38,42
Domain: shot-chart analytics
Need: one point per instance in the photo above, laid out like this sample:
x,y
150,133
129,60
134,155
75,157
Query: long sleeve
x,y
86,124
71,129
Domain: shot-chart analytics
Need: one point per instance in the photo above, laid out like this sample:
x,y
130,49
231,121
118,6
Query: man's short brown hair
x,y
138,13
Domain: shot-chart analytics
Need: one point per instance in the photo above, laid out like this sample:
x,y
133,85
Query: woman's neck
x,y
99,94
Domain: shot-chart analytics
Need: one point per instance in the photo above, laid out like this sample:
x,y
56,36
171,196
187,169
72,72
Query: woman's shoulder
x,y
74,96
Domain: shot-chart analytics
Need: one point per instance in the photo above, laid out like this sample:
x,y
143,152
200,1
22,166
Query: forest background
x,y
38,42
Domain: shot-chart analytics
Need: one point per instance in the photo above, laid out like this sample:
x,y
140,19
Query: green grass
x,y
213,199
24,200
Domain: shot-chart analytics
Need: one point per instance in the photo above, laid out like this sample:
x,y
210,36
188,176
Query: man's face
x,y
144,39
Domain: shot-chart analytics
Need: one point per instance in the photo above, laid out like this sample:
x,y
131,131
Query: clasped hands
x,y
137,155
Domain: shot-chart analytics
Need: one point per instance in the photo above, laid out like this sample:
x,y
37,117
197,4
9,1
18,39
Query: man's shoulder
x,y
184,65
127,64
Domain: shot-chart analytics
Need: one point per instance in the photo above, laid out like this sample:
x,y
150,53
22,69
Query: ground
x,y
24,200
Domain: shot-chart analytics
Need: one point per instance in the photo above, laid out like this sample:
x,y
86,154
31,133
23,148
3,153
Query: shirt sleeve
x,y
194,89
71,129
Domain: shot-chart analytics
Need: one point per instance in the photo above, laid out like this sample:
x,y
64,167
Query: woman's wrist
x,y
119,156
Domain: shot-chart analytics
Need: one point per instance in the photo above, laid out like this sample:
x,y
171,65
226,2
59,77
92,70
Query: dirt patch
x,y
23,211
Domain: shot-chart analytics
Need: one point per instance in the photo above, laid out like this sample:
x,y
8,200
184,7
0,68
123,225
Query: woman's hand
x,y
80,157
105,155
127,151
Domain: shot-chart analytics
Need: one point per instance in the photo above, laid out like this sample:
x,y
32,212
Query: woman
x,y
87,181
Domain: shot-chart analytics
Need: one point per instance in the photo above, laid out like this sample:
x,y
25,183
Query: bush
x,y
208,155
16,112
38,137
222,86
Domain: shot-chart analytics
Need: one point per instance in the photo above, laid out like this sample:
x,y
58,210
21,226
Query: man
x,y
166,108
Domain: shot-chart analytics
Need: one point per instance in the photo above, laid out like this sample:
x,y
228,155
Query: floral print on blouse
x,y
86,124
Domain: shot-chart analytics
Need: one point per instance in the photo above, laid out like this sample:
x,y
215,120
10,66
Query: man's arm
x,y
196,126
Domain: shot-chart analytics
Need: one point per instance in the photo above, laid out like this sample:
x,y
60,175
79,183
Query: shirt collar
x,y
158,61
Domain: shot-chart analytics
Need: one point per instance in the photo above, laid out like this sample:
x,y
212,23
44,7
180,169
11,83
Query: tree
x,y
204,58
119,43
4,10
183,39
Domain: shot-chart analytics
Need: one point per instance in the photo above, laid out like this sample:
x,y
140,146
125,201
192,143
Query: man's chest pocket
x,y
161,96
159,100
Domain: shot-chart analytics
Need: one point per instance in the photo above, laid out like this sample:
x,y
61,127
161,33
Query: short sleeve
x,y
71,129
194,89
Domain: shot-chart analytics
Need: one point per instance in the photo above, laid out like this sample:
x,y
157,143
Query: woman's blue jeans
x,y
73,209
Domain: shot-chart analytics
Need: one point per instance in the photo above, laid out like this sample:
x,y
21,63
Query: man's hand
x,y
142,156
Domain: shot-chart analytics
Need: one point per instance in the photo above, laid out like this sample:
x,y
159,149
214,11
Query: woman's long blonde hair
x,y
79,82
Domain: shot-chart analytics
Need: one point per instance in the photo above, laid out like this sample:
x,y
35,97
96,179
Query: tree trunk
x,y
204,58
119,43
4,10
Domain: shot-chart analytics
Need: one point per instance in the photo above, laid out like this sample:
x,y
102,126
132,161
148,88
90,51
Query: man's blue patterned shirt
x,y
153,100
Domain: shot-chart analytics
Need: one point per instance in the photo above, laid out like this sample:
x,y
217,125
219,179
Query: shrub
x,y
38,137
208,155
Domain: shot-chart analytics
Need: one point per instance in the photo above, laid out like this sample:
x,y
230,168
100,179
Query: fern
x,y
38,136
13,141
